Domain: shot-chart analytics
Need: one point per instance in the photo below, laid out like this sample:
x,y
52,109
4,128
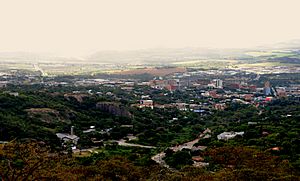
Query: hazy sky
x,y
77,27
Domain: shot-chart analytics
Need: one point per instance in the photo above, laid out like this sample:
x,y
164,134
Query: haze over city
x,y
80,28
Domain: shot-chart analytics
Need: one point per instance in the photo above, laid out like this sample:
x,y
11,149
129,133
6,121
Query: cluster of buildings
x,y
169,84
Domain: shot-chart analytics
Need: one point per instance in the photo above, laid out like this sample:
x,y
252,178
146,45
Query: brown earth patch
x,y
45,114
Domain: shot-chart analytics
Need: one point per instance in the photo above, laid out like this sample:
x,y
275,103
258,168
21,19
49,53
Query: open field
x,y
16,66
206,64
191,62
153,71
264,64
259,64
271,53
260,59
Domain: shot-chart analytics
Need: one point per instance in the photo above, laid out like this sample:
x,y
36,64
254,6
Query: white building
x,y
218,83
3,84
146,103
229,135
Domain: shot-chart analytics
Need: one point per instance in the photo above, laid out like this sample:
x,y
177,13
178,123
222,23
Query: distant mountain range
x,y
147,56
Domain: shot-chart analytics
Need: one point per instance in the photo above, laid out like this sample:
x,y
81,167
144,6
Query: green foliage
x,y
179,159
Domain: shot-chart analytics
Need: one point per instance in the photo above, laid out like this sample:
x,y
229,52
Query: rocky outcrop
x,y
78,97
113,108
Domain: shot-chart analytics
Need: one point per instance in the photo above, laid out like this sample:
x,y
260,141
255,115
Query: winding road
x,y
158,158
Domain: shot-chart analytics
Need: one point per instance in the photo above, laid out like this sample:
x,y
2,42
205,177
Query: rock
x,y
113,108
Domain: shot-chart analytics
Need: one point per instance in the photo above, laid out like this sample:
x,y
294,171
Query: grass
x,y
82,154
272,53
206,63
260,64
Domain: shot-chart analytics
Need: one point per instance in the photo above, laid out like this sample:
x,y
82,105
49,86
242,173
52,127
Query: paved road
x,y
38,68
122,142
257,77
158,158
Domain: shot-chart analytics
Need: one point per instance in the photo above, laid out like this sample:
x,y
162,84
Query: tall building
x,y
218,83
267,89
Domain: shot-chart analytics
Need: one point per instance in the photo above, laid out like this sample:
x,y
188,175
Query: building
x,y
218,83
269,99
281,92
68,138
170,84
90,130
3,84
16,94
220,106
213,94
146,103
234,86
171,88
248,97
267,89
252,88
229,135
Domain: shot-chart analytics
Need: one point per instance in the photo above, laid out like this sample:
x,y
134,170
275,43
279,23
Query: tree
x,y
24,161
179,159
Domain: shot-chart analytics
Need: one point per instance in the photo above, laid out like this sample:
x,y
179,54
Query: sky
x,y
81,27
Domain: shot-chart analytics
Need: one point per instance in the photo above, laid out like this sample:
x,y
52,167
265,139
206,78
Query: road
x,y
38,68
92,149
158,158
257,77
122,142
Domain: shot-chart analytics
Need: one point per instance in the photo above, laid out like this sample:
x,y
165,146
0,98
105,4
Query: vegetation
x,y
268,150
32,161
